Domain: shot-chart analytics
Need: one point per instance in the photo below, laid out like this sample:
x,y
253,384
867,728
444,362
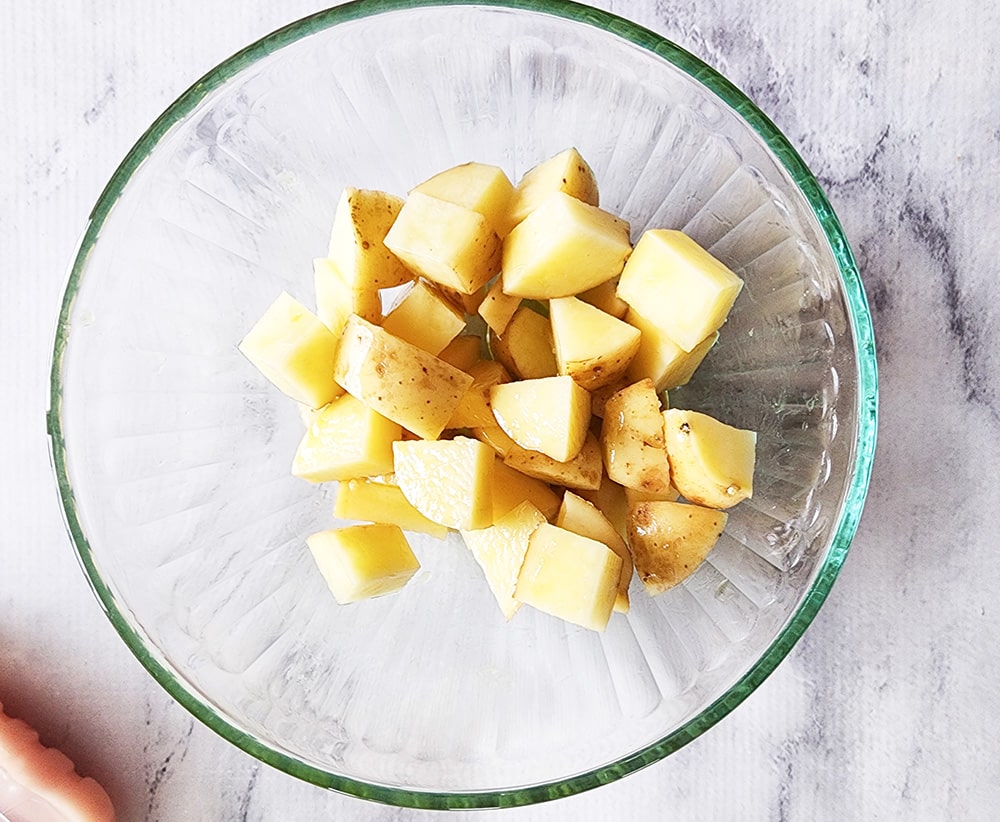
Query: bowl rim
x,y
848,517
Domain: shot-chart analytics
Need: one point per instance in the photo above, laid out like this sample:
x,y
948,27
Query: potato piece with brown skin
x,y
357,240
400,381
581,472
669,540
632,439
526,348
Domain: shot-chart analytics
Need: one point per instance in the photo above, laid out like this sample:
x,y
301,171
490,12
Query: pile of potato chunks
x,y
516,392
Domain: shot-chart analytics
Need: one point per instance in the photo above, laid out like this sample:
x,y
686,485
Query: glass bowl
x,y
172,453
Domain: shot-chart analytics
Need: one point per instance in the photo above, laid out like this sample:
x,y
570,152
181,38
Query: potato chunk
x,y
525,347
562,248
363,561
511,488
474,409
551,415
444,242
500,551
357,240
346,439
711,463
483,188
605,297
425,318
581,472
397,379
365,499
448,481
669,540
569,576
582,517
463,352
337,299
295,351
661,359
497,308
678,286
567,172
632,439
591,346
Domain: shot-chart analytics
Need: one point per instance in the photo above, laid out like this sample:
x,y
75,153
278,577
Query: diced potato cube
x,y
463,352
498,308
669,540
605,297
397,379
632,439
661,359
295,351
551,414
346,439
581,472
569,576
337,299
581,517
526,347
592,347
678,286
425,318
609,498
483,188
363,561
448,481
511,488
474,409
447,243
562,248
711,463
567,172
357,241
500,551
365,499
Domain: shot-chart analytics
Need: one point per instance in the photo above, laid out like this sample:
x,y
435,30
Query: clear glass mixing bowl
x,y
172,454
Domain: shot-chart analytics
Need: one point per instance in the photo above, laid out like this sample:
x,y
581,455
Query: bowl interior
x,y
173,454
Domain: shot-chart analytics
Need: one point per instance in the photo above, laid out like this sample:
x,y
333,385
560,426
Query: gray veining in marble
x,y
888,706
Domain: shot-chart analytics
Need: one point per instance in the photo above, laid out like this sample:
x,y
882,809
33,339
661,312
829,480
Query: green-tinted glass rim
x,y
867,399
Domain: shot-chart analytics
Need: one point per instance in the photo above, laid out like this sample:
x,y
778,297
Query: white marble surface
x,y
886,709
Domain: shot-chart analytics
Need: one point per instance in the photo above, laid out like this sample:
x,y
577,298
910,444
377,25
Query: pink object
x,y
39,784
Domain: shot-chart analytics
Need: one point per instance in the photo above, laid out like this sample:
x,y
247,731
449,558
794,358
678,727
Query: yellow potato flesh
x,y
448,481
566,172
363,561
477,186
425,318
569,576
550,415
346,439
591,346
581,517
562,248
678,286
295,351
711,463
500,551
371,501
452,245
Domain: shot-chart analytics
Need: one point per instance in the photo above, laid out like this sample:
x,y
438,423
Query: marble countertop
x,y
888,706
